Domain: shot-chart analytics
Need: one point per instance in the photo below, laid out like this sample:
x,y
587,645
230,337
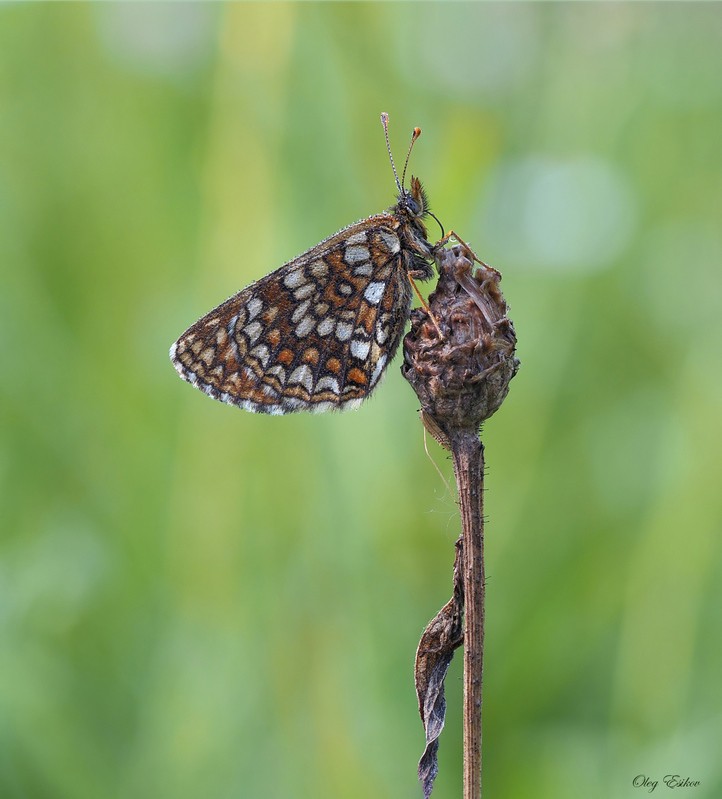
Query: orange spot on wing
x,y
357,376
335,260
367,317
311,356
285,357
333,365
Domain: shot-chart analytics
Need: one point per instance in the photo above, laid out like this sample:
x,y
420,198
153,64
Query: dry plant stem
x,y
468,456
459,359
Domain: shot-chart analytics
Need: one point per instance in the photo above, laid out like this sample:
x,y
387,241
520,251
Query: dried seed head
x,y
462,378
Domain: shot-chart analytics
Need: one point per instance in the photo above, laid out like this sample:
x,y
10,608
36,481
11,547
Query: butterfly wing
x,y
316,334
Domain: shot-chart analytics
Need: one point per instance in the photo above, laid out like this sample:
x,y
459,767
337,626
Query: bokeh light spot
x,y
159,38
495,52
575,215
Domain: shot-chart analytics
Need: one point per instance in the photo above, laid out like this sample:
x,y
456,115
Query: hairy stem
x,y
468,456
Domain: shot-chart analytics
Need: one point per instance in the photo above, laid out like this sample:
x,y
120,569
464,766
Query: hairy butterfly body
x,y
318,333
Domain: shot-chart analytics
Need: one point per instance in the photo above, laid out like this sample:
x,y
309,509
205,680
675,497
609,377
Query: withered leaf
x,y
443,635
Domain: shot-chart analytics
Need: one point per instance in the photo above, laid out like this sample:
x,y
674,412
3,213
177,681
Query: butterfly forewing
x,y
316,334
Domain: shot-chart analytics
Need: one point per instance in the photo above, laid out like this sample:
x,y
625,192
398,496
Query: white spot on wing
x,y
321,407
305,326
343,331
378,369
303,375
300,311
374,292
360,349
356,254
351,405
357,238
391,241
262,353
325,326
305,291
254,306
319,268
328,383
253,331
294,279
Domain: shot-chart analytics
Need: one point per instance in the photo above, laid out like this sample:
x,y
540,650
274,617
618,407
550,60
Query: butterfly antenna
x,y
414,136
385,123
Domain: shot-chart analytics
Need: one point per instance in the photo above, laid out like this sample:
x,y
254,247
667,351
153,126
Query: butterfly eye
x,y
413,205
417,197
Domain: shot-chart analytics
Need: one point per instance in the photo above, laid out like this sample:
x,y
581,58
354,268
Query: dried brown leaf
x,y
436,648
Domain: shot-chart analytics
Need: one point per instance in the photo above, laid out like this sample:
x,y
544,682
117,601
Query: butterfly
x,y
318,332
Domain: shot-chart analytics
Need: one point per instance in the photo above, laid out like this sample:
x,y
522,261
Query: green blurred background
x,y
200,602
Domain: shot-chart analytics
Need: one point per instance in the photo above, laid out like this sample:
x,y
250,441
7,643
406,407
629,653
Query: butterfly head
x,y
413,201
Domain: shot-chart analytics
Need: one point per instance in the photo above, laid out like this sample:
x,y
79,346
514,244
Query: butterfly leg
x,y
424,305
452,234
